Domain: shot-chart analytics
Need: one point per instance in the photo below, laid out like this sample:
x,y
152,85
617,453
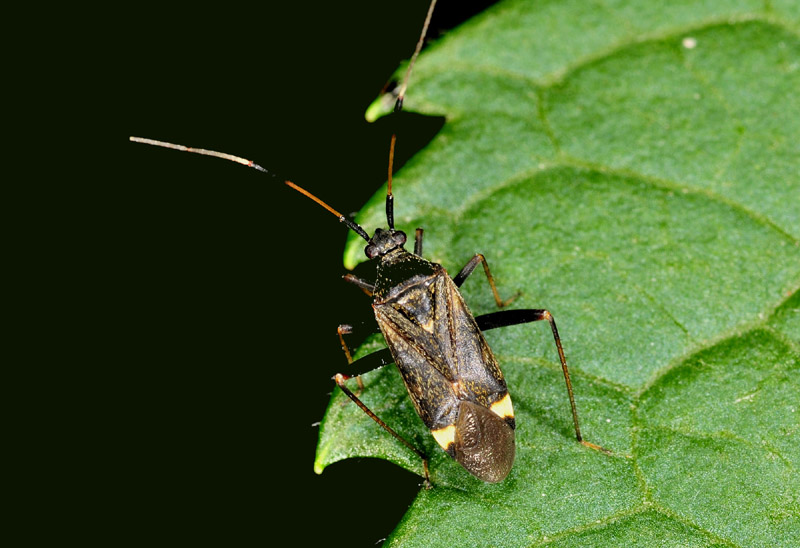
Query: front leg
x,y
342,330
365,286
347,329
459,278
418,242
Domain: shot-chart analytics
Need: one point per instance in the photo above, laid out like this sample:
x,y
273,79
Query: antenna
x,y
398,106
249,163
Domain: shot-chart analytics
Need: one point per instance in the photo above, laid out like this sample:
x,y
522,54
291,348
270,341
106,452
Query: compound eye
x,y
399,237
371,251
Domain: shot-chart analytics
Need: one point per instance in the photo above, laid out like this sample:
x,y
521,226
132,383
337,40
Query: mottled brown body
x,y
437,344
448,368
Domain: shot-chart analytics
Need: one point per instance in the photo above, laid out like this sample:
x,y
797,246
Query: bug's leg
x,y
513,317
372,361
340,381
418,242
342,330
365,286
347,329
467,270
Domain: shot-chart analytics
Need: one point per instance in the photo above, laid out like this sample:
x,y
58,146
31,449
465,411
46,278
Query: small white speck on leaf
x,y
689,42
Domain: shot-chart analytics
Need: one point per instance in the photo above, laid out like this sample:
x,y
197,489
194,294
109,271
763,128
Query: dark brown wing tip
x,y
484,443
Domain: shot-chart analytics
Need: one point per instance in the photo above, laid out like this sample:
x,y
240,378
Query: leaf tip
x,y
380,107
320,461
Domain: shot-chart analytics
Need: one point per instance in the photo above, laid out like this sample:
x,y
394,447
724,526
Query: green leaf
x,y
634,167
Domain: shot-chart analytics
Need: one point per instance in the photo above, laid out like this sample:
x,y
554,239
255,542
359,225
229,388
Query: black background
x,y
229,283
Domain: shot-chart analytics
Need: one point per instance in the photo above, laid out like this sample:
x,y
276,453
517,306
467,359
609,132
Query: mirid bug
x,y
450,373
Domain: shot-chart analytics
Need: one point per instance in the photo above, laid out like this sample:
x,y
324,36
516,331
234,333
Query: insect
x,y
452,377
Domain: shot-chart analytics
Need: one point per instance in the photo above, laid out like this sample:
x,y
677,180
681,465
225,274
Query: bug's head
x,y
384,241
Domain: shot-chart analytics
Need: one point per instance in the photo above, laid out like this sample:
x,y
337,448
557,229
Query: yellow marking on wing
x,y
503,408
445,436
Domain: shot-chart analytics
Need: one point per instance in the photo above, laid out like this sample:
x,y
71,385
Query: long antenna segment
x,y
398,106
249,163
402,92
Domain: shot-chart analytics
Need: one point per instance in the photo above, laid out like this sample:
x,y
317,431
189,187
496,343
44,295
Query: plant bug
x,y
451,375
